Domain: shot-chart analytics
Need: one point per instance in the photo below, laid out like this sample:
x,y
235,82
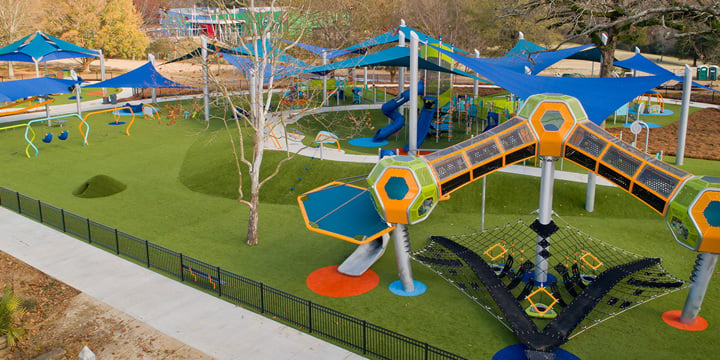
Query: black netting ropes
x,y
588,280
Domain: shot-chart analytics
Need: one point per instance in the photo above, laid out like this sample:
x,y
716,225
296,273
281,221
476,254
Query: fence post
x,y
310,324
182,273
62,217
87,220
425,346
364,333
117,243
147,253
219,286
17,196
40,211
262,298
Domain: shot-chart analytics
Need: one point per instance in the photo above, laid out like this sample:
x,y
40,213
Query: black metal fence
x,y
353,333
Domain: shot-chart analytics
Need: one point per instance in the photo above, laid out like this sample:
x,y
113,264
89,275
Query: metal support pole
x,y
402,254
365,76
544,213
482,210
325,97
704,268
401,72
475,82
77,100
151,58
412,119
206,90
684,112
102,70
590,192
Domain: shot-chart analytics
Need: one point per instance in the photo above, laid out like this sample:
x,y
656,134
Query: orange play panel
x,y
95,93
329,282
672,318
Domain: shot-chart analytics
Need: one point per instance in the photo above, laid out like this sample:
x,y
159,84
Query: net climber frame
x,y
589,281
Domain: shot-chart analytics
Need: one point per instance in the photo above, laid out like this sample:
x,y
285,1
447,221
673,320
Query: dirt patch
x,y
61,317
703,136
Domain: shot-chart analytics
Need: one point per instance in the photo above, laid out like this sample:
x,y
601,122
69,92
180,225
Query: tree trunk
x,y
608,54
86,64
254,219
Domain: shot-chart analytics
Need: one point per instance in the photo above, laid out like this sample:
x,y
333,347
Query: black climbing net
x,y
588,280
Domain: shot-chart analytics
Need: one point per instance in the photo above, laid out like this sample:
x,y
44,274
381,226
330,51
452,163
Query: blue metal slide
x,y
425,120
390,109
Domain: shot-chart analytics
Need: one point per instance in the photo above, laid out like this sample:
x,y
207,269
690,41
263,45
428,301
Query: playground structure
x,y
404,190
653,103
29,133
326,137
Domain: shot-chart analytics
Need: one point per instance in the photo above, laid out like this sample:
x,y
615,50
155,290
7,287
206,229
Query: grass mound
x,y
99,186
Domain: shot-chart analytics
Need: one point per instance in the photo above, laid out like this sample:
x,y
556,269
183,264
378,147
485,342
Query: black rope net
x,y
588,281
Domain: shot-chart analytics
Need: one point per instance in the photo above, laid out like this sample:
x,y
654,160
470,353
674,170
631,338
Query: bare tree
x,y
616,18
14,23
254,114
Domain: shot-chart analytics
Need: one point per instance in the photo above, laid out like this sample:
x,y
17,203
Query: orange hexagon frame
x,y
396,210
551,141
710,234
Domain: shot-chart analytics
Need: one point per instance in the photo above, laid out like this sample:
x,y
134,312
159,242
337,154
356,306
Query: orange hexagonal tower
x,y
552,117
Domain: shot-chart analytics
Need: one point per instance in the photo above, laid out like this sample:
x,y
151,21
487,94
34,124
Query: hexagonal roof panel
x,y
712,213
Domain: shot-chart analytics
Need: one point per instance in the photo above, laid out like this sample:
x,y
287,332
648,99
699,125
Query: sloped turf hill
x,y
99,186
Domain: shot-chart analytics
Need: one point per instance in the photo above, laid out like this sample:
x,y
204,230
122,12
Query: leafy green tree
x,y
113,26
14,23
121,33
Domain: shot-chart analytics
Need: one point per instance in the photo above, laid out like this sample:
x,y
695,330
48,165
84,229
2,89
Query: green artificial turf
x,y
182,193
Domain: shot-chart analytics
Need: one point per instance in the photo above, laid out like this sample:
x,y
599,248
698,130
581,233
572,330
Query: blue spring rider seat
x,y
49,136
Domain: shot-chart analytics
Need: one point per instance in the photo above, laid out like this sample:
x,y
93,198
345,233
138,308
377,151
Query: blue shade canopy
x,y
262,49
640,63
275,72
18,89
144,77
41,47
524,47
318,50
392,36
242,51
599,96
395,56
535,62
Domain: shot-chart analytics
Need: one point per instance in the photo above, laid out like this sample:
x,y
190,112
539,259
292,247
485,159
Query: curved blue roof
x,y
18,89
41,47
145,77
599,96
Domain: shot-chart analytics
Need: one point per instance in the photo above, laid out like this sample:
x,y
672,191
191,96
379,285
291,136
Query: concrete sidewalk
x,y
207,323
